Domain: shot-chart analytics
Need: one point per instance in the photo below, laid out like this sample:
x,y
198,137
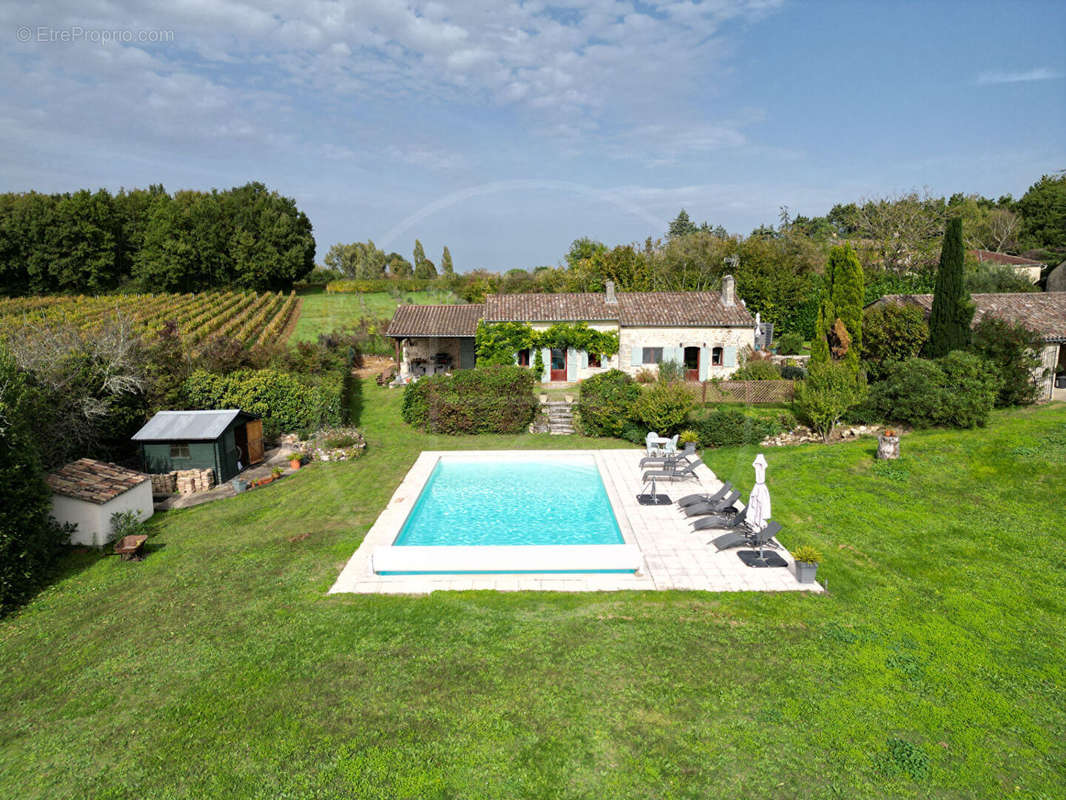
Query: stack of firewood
x,y
191,481
165,483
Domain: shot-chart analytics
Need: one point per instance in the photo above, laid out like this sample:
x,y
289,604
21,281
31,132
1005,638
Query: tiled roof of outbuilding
x,y
460,320
1043,312
94,481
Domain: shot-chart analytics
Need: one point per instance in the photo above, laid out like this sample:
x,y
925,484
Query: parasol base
x,y
653,500
753,559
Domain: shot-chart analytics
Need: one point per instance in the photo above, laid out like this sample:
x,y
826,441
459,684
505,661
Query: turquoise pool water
x,y
512,502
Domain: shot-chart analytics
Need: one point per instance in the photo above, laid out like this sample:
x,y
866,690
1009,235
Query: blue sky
x,y
507,129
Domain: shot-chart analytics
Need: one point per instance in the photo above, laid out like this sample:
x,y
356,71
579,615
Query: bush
x,y
1014,351
490,400
606,403
892,332
757,370
793,372
663,407
284,401
958,390
790,344
126,523
731,427
634,433
671,371
824,398
30,540
646,375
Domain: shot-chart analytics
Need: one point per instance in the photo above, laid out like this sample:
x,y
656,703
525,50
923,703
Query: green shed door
x,y
467,354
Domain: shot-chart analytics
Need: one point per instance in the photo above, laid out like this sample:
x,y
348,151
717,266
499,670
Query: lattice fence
x,y
744,391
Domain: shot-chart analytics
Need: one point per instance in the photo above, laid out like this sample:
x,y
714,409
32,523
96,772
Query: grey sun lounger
x,y
692,499
678,472
717,507
723,521
752,539
667,460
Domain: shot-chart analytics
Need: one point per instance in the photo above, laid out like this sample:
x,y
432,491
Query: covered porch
x,y
432,340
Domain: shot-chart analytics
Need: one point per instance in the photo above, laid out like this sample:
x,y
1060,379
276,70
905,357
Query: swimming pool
x,y
559,501
508,513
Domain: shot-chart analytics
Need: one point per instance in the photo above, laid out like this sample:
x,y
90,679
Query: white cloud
x,y
1025,76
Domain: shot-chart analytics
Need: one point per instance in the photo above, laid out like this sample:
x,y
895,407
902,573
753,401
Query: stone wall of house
x,y
610,362
1045,373
427,349
684,337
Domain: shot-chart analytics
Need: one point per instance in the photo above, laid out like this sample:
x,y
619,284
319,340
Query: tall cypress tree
x,y
952,313
446,265
838,333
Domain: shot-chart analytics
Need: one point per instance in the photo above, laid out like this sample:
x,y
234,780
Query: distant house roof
x,y
1042,312
569,307
633,309
93,481
179,426
459,320
1003,258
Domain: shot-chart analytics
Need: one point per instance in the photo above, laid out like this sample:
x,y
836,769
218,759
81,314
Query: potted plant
x,y
276,473
807,559
689,438
294,461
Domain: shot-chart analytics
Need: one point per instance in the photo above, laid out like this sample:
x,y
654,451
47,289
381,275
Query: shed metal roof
x,y
171,426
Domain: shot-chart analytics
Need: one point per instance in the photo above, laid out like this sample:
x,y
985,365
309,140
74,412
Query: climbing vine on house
x,y
497,342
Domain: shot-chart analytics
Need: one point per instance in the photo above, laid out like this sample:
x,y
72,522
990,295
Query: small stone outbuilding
x,y
87,492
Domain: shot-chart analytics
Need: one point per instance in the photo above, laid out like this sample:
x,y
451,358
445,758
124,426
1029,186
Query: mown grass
x,y
218,667
322,312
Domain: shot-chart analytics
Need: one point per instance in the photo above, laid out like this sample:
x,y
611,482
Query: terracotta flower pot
x,y
295,463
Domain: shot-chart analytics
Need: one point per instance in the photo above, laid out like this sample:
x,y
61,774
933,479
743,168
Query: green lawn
x,y
323,312
219,667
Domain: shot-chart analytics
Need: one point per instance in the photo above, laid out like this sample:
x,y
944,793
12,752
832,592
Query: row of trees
x,y
92,242
366,261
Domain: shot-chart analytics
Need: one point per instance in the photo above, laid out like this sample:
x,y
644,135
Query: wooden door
x,y
558,365
692,363
254,431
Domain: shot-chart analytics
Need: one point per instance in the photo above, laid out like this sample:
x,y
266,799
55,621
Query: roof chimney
x,y
728,294
610,293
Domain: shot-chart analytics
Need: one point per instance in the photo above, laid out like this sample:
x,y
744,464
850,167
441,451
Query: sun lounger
x,y
677,472
729,518
666,461
692,499
751,538
717,507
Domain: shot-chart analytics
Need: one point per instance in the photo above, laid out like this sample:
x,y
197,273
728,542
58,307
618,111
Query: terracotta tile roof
x,y
436,320
94,481
1043,312
681,310
571,307
1003,258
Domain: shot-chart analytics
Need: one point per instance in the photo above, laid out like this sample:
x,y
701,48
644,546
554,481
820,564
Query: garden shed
x,y
227,441
87,492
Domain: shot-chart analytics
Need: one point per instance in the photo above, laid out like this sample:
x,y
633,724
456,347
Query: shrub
x,y
671,371
30,540
634,433
793,372
663,407
490,400
807,554
606,403
1014,351
284,401
892,332
758,369
689,436
830,390
646,375
790,344
957,390
126,523
731,427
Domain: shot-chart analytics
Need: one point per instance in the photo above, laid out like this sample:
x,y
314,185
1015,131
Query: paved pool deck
x,y
673,556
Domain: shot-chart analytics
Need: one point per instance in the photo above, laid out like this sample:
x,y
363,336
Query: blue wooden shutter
x,y
677,354
546,355
729,356
705,363
638,357
571,364
584,360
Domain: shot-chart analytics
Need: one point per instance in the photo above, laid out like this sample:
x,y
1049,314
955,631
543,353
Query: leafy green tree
x,y
446,262
1014,350
949,320
1043,211
681,226
29,540
583,249
424,268
892,332
398,266
831,388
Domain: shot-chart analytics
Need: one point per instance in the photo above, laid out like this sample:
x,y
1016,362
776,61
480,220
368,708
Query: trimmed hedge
x,y
727,427
488,400
606,403
285,401
351,285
